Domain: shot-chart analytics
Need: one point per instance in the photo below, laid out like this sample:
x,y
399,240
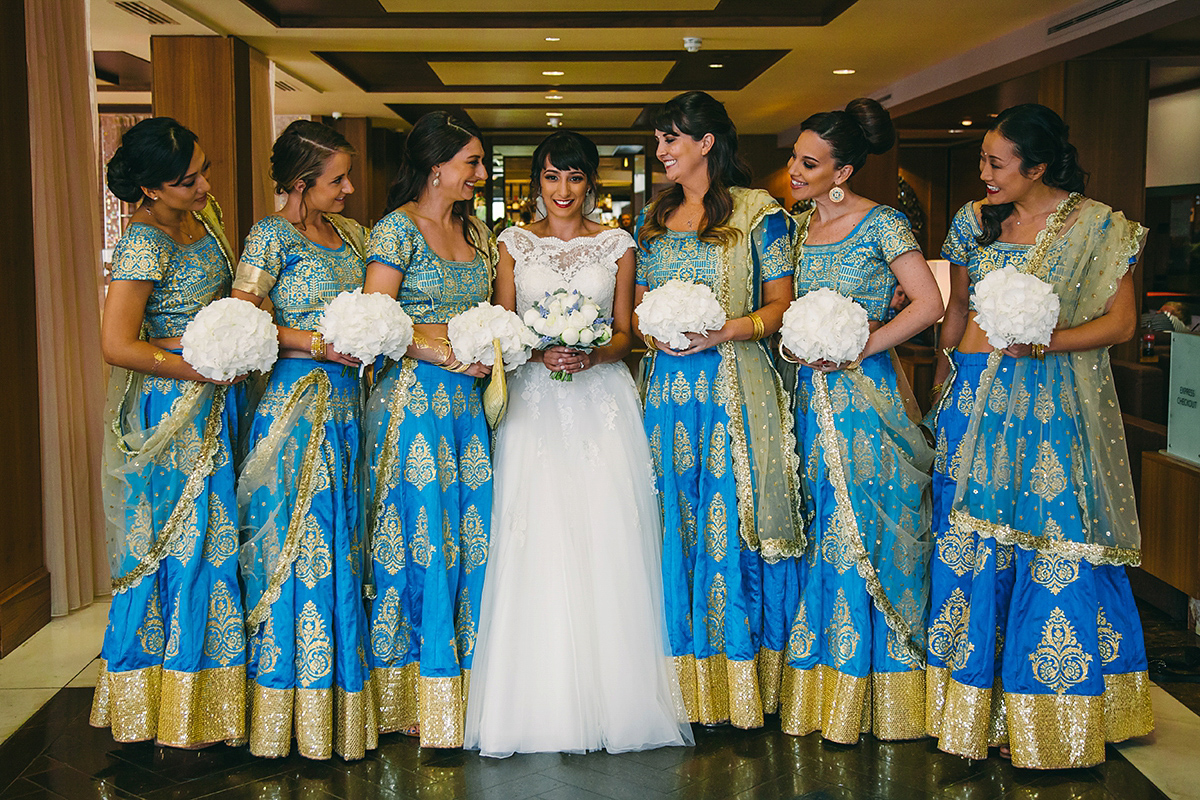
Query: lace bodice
x,y
587,264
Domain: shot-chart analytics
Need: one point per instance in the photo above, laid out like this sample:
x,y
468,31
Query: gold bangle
x,y
649,340
1039,351
937,388
783,355
316,346
759,328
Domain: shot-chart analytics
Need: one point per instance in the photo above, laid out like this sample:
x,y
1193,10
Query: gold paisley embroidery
x,y
389,542
863,456
956,550
800,642
418,400
221,541
656,450
811,466
684,459
441,402
391,631
1047,479
834,548
464,625
715,529
314,652
714,619
1109,639
474,540
982,553
474,403
681,392
948,638
653,396
702,388
687,524
900,652
997,398
224,635
459,402
1043,408
841,637
313,561
1020,400
422,551
476,467
419,469
449,541
141,530
174,632
268,648
152,634
860,401
1053,571
447,467
1001,466
1004,556
717,450
1059,662
839,397
956,460
965,400
183,546
979,469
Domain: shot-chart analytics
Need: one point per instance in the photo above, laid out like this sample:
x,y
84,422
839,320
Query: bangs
x,y
565,155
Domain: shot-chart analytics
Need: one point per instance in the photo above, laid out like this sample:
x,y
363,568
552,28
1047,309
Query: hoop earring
x,y
437,179
837,194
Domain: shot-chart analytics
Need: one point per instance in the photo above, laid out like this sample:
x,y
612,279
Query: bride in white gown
x,y
571,652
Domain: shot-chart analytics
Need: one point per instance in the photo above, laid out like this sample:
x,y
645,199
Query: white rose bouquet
x,y
1014,307
676,308
230,337
365,326
472,332
825,326
569,319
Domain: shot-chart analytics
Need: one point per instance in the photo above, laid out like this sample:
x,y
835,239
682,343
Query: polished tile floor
x,y
56,754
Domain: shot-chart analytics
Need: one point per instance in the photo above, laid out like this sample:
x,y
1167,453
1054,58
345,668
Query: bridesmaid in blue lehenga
x,y
298,491
174,652
1034,640
429,502
718,422
857,640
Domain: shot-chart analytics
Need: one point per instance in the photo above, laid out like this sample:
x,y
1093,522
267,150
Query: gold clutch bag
x,y
495,396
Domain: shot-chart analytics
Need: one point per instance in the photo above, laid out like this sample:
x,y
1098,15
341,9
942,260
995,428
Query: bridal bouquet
x,y
825,326
472,333
678,307
366,326
1015,307
568,318
230,337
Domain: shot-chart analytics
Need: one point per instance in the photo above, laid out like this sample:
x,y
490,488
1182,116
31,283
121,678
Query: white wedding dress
x,y
571,653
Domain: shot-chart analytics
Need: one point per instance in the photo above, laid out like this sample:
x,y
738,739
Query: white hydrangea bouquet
x,y
1014,307
677,308
825,326
570,319
473,332
366,326
230,337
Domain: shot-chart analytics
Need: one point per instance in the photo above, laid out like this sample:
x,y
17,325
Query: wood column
x,y
24,581
879,179
361,205
220,88
1106,102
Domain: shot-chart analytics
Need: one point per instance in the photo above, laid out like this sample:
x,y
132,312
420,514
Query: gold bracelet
x,y
938,388
159,358
759,328
649,340
1039,351
316,346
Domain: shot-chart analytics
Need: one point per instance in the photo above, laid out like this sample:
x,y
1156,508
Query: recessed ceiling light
x,y
956,130
968,123
843,72
553,72
552,39
716,66
554,97
553,113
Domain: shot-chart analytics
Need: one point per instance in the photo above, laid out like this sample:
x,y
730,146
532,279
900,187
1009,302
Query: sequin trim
x,y
395,690
1079,551
717,689
443,706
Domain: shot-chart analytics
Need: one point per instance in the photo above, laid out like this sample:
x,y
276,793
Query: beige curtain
x,y
66,234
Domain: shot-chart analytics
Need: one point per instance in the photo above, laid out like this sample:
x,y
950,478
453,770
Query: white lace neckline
x,y
595,237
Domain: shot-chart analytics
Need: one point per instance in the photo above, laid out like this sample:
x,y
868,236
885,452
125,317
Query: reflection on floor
x,y
56,754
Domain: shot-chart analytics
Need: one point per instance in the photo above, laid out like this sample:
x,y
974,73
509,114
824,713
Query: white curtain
x,y
67,237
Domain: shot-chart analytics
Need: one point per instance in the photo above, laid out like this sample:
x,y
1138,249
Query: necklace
x,y
167,228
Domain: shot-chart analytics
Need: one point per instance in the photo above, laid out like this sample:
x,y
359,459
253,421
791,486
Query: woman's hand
x,y
1018,350
566,359
699,342
340,358
822,365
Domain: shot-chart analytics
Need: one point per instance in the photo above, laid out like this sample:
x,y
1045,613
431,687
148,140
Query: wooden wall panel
x,y
24,582
1170,516
878,180
219,87
925,167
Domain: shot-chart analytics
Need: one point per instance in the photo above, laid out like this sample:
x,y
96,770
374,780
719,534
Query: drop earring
x,y
437,179
837,194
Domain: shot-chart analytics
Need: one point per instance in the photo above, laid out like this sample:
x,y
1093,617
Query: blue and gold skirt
x,y
1029,647
174,652
302,565
853,659
429,506
726,608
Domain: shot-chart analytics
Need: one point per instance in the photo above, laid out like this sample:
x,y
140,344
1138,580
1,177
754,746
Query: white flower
x,y
471,334
825,326
366,325
228,338
678,307
1015,308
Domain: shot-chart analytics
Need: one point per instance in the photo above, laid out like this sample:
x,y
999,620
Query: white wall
x,y
1173,140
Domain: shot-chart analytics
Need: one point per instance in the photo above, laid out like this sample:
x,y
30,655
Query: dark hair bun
x,y
876,123
120,180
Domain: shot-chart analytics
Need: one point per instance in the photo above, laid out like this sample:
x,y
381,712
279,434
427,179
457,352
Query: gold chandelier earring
x,y
837,194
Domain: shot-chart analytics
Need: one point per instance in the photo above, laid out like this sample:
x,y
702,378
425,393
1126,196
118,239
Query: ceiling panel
x,y
516,73
479,6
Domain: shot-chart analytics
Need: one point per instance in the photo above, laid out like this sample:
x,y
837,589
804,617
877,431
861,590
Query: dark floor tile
x,y
258,770
664,757
1124,782
566,792
659,780
520,788
789,786
574,772
71,783
22,789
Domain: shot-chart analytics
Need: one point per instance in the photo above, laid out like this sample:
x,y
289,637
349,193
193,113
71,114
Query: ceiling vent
x,y
1086,16
284,86
144,12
